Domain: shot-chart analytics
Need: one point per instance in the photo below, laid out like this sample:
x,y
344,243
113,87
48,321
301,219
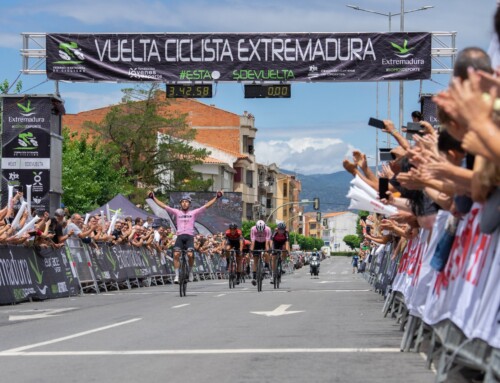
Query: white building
x,y
335,227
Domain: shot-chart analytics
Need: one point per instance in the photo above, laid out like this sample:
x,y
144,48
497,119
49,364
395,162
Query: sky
x,y
310,133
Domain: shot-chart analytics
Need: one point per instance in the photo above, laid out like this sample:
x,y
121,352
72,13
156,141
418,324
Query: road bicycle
x,y
278,268
260,269
183,272
232,269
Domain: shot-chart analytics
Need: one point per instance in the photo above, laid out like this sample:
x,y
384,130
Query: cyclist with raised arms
x,y
260,236
279,241
185,220
234,241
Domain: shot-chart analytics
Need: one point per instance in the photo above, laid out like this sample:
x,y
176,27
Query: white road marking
x,y
339,290
220,295
220,283
178,306
205,352
344,272
334,282
280,310
79,334
40,314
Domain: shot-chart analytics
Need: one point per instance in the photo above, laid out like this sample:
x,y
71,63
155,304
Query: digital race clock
x,y
268,91
189,91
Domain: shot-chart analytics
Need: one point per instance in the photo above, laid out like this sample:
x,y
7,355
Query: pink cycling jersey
x,y
260,236
185,220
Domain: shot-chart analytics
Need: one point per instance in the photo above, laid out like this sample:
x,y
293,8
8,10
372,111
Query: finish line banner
x,y
234,57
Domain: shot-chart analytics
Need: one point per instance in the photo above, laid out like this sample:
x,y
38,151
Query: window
x,y
249,178
249,211
237,176
245,144
285,189
269,203
312,226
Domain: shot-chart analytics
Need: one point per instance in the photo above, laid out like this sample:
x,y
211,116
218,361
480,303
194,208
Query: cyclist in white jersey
x,y
260,236
185,220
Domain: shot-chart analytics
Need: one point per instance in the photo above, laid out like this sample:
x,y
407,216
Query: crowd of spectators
x,y
53,231
442,170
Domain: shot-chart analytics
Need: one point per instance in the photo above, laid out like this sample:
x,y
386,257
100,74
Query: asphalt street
x,y
329,329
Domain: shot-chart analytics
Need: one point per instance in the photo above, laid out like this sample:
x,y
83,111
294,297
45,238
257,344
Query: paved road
x,y
329,329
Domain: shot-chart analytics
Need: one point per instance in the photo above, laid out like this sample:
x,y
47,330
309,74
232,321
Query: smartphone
x,y
383,187
379,124
413,127
385,154
368,229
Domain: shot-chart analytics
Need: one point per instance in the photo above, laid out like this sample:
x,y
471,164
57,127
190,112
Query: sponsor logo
x,y
70,54
27,141
404,62
27,110
403,52
144,73
37,200
13,176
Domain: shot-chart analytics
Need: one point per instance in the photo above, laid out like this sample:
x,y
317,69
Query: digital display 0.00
x,y
268,91
189,91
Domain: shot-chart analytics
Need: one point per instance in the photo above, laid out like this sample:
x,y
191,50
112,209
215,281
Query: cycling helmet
x,y
233,226
260,225
185,197
282,226
315,249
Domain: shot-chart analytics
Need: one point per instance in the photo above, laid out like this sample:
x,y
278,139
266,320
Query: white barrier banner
x,y
487,318
427,274
399,279
458,289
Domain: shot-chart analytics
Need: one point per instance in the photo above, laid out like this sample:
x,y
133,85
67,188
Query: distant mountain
x,y
331,189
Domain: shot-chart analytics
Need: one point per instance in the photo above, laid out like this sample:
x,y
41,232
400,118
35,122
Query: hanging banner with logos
x,y
429,110
26,147
234,57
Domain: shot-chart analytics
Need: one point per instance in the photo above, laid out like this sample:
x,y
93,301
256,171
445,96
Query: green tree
x,y
152,144
352,241
91,176
5,87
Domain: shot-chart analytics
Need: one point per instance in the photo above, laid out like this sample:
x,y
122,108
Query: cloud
x,y
306,155
10,40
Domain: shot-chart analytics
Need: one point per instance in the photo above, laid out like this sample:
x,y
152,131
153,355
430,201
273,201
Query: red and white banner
x,y
459,291
427,275
487,318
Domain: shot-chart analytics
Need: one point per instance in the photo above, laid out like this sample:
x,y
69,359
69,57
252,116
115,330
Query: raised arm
x,y
219,194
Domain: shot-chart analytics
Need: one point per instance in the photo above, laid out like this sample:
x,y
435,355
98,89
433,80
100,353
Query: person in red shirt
x,y
234,241
280,241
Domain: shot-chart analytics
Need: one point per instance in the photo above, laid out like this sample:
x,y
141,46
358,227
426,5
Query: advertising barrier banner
x,y
236,57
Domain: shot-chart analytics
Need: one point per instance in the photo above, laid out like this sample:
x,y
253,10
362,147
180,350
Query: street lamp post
x,y
401,86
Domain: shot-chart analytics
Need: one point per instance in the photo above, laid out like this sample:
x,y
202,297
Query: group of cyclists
x,y
262,239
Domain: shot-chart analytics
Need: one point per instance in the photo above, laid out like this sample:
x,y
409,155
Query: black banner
x,y
429,110
28,273
17,279
26,147
232,57
57,277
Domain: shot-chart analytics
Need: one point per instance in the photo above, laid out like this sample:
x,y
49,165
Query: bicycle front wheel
x,y
183,277
260,275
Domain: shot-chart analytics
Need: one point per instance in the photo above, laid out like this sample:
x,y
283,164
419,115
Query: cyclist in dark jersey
x,y
280,241
234,241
